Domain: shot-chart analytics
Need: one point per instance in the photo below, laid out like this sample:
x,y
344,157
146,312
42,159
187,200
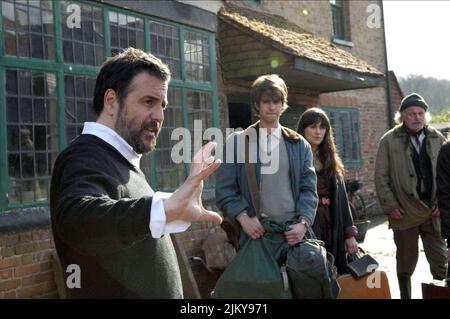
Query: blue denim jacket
x,y
232,190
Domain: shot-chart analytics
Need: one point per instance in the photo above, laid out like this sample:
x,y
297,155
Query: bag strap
x,y
251,177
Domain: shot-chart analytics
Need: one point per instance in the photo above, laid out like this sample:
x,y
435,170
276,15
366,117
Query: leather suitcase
x,y
437,289
373,286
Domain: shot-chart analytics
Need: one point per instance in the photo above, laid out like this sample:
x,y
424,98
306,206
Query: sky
x,y
418,37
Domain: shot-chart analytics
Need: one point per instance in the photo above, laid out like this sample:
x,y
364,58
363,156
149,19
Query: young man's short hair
x,y
271,85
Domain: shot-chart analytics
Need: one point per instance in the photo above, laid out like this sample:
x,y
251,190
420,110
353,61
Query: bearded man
x,y
106,219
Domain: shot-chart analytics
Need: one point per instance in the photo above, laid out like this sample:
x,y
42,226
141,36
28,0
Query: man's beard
x,y
136,137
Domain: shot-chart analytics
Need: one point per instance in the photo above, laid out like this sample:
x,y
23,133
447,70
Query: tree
x,y
436,92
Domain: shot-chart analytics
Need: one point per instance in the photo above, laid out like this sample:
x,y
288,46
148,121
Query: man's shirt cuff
x,y
158,226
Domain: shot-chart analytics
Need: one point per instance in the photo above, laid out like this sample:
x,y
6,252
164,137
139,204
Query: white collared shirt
x,y
268,142
158,226
416,145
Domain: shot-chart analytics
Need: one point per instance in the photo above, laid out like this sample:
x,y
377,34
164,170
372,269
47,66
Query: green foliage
x,y
436,92
442,117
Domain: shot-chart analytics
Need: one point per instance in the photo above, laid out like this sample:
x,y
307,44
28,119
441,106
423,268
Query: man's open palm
x,y
186,202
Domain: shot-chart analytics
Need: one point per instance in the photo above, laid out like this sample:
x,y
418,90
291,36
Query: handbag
x,y
361,264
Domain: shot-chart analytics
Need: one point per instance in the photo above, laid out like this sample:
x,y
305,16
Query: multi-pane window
x,y
169,175
79,93
199,108
196,55
32,133
345,123
67,37
28,29
125,31
337,11
83,38
165,44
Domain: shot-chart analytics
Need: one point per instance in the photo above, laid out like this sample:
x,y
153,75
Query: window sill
x,y
342,42
22,219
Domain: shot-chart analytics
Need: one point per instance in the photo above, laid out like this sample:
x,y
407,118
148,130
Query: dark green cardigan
x,y
100,211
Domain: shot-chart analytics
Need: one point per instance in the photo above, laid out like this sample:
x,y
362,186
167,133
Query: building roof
x,y
290,38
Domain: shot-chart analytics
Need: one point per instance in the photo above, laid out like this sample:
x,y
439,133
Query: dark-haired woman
x,y
333,222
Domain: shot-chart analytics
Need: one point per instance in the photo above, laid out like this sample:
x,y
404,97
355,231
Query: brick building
x,y
331,54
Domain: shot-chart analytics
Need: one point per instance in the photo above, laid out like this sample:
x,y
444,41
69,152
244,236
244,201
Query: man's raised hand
x,y
186,202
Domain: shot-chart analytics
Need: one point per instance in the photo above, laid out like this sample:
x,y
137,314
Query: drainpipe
x,y
388,86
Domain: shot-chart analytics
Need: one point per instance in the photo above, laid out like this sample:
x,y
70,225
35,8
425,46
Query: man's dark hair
x,y
118,72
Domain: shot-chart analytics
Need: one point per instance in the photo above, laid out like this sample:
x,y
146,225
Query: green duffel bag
x,y
256,272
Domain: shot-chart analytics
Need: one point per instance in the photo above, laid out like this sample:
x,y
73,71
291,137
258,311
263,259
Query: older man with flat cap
x,y
405,180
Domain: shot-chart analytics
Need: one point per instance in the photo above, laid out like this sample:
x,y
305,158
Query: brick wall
x,y
27,268
312,16
368,42
26,265
372,106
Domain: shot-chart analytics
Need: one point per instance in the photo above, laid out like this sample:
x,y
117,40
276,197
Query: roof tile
x,y
290,38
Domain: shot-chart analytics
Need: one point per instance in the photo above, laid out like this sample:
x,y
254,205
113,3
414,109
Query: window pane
x,y
12,112
10,42
199,108
68,51
13,137
11,82
25,107
196,54
8,15
165,45
337,12
39,111
26,25
346,133
78,99
169,175
125,31
24,45
86,39
32,134
41,164
38,85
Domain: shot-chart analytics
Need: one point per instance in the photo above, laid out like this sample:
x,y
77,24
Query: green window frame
x,y
338,17
346,128
74,82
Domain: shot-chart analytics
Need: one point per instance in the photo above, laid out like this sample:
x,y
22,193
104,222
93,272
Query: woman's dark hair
x,y
327,152
118,72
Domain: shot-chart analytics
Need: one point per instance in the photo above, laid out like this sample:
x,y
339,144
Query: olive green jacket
x,y
395,176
